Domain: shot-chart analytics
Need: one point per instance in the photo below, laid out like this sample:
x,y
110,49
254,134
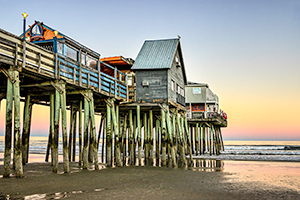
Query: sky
x,y
247,51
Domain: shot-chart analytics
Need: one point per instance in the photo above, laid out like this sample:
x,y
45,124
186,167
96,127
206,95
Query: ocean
x,y
234,150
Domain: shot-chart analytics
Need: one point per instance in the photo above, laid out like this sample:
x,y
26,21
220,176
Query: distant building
x,y
160,72
201,102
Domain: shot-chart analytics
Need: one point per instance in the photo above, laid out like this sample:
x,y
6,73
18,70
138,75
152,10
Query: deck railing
x,y
17,52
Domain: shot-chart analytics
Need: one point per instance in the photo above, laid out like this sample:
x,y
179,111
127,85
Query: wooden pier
x,y
129,129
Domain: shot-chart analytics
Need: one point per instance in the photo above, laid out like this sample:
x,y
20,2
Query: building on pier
x,y
139,102
160,73
202,104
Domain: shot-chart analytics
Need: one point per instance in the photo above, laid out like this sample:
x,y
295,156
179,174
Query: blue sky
x,y
247,50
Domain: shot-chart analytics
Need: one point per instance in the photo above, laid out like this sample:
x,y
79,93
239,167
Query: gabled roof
x,y
159,54
156,54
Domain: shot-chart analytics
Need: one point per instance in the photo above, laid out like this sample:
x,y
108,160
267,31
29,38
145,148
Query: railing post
x,y
99,75
115,73
80,69
74,75
88,80
24,53
16,54
126,82
56,67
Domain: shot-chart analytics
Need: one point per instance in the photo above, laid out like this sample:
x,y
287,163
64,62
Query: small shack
x,y
201,102
160,73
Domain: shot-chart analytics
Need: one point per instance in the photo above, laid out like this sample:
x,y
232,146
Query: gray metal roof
x,y
156,54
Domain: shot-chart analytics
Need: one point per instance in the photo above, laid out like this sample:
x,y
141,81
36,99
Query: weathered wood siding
x,y
195,98
176,74
157,90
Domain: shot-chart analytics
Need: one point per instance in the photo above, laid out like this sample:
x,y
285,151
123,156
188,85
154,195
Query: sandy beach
x,y
233,180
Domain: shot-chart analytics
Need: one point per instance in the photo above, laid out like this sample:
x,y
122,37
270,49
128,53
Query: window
x,y
196,90
91,62
88,61
71,53
60,47
82,59
178,89
172,85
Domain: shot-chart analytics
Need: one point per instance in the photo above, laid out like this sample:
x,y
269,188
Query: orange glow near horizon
x,y
243,122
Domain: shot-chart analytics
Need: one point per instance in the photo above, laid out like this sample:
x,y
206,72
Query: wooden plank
x,y
39,62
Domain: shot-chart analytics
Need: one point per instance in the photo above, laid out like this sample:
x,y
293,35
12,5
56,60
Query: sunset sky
x,y
247,51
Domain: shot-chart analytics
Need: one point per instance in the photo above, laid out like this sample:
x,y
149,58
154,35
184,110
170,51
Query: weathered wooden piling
x,y
114,115
131,138
26,129
188,139
108,134
71,132
93,131
52,113
157,136
8,126
151,135
197,138
171,137
124,139
64,127
17,136
210,146
146,145
181,140
203,139
56,130
103,139
163,138
74,135
80,133
86,133
139,141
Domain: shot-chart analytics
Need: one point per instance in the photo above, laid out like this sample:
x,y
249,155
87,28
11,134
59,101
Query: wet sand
x,y
206,180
